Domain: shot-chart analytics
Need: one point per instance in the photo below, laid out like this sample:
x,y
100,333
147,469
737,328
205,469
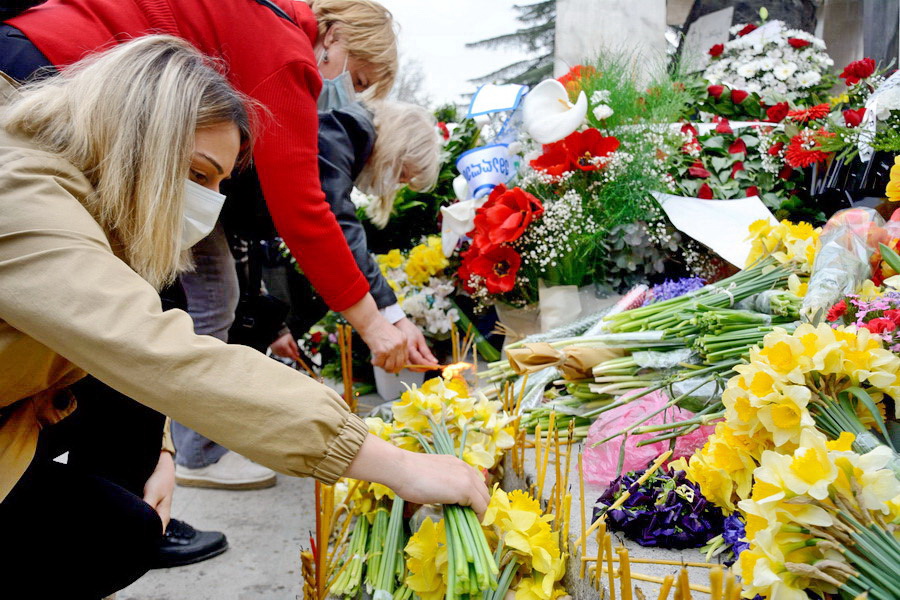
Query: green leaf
x,y
721,162
890,257
716,141
864,397
751,140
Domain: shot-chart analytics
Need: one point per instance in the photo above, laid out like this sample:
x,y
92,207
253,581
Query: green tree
x,y
537,36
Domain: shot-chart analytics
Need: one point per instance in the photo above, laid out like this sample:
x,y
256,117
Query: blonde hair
x,y
407,145
367,31
126,118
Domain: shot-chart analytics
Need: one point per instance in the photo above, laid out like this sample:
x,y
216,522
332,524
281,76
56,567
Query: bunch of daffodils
x,y
477,424
793,245
822,518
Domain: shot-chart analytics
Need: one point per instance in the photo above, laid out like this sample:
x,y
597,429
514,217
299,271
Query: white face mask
x,y
338,92
201,211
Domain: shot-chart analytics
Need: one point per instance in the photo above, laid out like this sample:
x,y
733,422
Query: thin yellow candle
x,y
625,574
729,584
666,586
607,544
557,464
684,584
537,455
601,540
715,582
583,516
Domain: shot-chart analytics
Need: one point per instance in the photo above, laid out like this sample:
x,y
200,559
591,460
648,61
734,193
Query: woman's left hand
x,y
160,486
419,353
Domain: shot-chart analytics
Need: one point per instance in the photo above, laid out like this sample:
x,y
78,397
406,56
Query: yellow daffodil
x,y
791,244
785,415
426,561
391,260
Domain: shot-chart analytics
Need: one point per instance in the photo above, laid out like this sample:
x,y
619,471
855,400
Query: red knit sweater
x,y
269,59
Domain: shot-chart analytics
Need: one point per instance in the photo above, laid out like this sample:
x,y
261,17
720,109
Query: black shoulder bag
x,y
259,317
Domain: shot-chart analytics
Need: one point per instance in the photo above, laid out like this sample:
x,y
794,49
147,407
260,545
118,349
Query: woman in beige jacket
x,y
92,222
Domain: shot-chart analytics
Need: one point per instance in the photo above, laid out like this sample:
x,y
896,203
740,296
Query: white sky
x,y
435,34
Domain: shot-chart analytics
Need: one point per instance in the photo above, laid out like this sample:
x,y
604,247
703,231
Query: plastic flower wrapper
x,y
848,241
601,463
526,532
667,510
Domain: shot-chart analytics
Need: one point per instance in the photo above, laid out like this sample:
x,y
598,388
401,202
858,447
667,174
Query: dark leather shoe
x,y
184,545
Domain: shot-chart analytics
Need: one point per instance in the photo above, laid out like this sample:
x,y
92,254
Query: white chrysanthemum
x,y
808,78
747,70
784,70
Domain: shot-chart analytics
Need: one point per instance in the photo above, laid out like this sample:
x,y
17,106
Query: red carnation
x,y
505,216
724,126
749,27
880,325
715,90
554,161
737,147
837,311
498,266
736,168
586,146
858,70
813,113
752,191
775,114
705,192
717,49
738,96
775,149
854,117
697,170
798,43
893,315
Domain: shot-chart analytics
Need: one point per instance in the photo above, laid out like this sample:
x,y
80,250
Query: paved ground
x,y
265,529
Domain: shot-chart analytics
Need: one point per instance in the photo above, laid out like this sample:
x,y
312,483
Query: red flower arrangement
x,y
715,90
813,113
748,28
798,43
723,125
853,118
752,191
738,146
505,216
705,192
857,71
805,148
716,49
777,113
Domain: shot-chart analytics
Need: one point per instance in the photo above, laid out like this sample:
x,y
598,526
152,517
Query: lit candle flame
x,y
456,370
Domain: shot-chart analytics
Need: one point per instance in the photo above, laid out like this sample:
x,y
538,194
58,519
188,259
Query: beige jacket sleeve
x,y
61,284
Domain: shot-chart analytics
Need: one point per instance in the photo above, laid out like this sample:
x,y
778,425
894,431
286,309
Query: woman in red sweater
x,y
270,49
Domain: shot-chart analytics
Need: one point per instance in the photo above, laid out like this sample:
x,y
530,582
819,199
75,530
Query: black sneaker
x,y
184,545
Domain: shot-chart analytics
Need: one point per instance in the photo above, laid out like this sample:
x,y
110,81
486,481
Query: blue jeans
x,y
212,296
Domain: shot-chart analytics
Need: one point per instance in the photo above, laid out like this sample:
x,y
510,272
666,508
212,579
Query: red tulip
x,y
688,128
737,147
705,192
724,126
717,49
697,170
747,29
752,191
854,117
775,114
798,43
775,149
736,168
715,90
786,172
738,96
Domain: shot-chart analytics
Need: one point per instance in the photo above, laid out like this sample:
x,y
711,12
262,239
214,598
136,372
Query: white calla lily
x,y
548,115
458,220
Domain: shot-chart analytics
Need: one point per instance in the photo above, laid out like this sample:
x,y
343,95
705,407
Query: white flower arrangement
x,y
764,61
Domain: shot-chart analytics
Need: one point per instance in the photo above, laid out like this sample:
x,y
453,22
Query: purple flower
x,y
733,534
667,510
673,289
